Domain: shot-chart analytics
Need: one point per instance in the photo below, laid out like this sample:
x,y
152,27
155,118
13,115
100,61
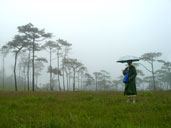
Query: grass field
x,y
84,110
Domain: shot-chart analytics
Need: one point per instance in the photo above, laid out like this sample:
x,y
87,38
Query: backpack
x,y
125,79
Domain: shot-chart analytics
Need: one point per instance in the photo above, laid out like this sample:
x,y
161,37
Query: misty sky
x,y
100,30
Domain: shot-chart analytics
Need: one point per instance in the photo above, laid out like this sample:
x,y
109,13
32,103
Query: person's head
x,y
129,63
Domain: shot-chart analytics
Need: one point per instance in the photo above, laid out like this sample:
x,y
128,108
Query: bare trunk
x,y
37,82
78,80
25,83
74,80
3,72
28,72
67,79
96,83
50,69
81,81
15,77
20,82
154,83
67,83
33,67
63,76
58,73
24,75
170,79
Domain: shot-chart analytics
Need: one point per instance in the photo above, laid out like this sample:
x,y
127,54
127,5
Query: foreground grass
x,y
84,110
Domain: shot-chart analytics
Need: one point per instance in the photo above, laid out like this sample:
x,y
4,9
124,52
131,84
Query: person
x,y
130,86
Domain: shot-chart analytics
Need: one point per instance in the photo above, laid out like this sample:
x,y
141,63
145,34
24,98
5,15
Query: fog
x,y
100,31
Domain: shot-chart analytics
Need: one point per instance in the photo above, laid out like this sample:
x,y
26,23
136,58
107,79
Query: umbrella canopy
x,y
125,59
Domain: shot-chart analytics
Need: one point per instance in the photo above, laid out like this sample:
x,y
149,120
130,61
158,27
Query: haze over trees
x,y
151,58
67,73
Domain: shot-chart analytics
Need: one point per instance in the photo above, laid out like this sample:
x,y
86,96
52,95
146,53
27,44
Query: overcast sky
x,y
101,31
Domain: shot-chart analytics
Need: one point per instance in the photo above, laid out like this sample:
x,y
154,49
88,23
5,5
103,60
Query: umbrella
x,y
125,59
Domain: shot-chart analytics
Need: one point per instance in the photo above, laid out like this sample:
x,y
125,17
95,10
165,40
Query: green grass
x,y
84,110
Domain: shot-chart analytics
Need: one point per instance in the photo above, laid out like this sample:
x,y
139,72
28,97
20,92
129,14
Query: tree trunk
x,y
33,87
78,80
63,76
67,79
74,80
96,83
28,72
37,82
50,69
67,83
3,72
15,77
19,82
154,83
170,79
24,75
58,69
81,81
25,83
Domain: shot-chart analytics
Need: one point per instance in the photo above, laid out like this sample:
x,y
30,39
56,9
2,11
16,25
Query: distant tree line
x,y
67,74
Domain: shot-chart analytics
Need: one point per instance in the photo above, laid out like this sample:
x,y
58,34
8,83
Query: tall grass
x,y
84,110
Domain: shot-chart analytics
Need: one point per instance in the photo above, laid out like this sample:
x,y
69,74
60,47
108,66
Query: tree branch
x,y
145,67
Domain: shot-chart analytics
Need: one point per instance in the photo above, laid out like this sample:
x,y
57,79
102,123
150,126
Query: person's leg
x,y
128,100
134,98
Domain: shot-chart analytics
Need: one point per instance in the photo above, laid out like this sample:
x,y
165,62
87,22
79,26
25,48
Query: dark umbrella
x,y
125,59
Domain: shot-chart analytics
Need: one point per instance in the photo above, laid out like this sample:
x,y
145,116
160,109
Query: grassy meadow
x,y
84,110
